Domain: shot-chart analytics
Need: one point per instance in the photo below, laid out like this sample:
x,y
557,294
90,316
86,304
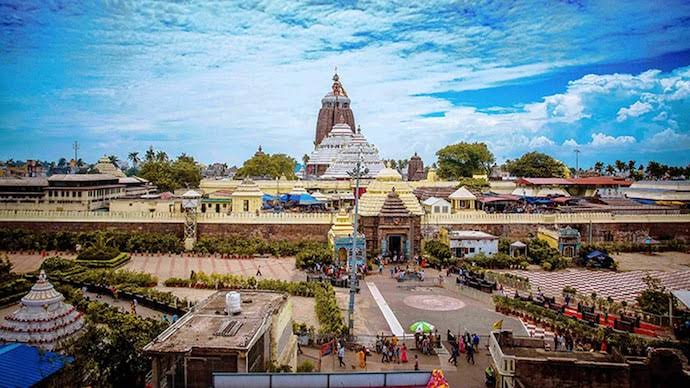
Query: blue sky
x,y
216,79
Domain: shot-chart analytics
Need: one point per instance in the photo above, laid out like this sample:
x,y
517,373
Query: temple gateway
x,y
391,216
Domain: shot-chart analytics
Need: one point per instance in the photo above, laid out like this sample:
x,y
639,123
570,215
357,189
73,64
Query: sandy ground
x,y
663,261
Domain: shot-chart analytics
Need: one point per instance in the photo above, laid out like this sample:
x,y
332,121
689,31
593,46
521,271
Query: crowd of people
x,y
467,344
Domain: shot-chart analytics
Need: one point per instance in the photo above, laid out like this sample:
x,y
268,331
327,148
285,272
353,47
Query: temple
x,y
43,319
333,104
338,146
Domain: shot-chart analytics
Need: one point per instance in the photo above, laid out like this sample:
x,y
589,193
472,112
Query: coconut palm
x,y
150,154
113,159
134,157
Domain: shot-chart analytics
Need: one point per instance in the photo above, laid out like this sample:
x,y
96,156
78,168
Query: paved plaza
x,y
166,266
448,307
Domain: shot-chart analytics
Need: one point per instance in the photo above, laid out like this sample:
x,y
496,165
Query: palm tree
x,y
150,154
599,167
113,159
62,162
631,166
610,170
305,159
620,165
134,157
161,156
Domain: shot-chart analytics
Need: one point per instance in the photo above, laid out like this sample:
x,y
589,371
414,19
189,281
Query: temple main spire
x,y
334,104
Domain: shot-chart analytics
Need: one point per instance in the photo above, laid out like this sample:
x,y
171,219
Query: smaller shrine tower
x,y
415,168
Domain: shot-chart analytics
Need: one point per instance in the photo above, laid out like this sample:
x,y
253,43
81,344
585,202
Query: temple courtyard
x,y
387,306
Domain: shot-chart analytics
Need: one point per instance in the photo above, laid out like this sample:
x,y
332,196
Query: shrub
x,y
439,254
308,258
305,366
111,263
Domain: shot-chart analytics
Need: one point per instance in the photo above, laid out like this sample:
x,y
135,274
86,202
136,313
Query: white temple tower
x,y
43,319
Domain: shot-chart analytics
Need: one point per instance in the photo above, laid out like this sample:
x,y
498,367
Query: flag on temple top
x,y
498,325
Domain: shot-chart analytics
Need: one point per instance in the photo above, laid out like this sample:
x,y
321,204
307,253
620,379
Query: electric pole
x,y
577,162
356,174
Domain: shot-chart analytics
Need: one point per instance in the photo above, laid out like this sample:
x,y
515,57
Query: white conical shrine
x,y
43,319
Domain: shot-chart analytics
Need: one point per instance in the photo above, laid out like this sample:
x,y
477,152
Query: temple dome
x,y
388,174
43,319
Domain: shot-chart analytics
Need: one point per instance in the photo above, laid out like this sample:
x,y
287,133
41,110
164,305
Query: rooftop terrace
x,y
207,326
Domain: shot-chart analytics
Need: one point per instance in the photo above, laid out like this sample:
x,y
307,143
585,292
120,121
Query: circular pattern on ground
x,y
434,302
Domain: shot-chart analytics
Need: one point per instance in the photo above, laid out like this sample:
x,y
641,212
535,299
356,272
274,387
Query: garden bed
x,y
115,262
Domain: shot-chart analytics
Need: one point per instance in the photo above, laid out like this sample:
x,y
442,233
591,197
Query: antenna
x,y
75,147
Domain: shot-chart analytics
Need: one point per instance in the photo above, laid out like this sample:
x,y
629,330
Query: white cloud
x,y
600,139
668,140
570,143
635,110
540,141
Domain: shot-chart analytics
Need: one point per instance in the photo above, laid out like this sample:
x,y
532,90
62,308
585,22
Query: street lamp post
x,y
577,162
356,173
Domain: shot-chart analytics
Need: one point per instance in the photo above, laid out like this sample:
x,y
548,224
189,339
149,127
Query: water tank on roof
x,y
233,303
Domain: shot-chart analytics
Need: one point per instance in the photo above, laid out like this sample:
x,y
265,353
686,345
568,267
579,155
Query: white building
x,y
467,243
435,205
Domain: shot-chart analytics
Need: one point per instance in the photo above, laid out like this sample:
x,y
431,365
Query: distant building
x,y
467,243
210,339
462,199
82,192
565,240
435,205
219,170
105,166
247,198
566,187
660,192
415,168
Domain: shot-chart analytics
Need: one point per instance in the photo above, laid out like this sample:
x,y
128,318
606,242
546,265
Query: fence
x,y
145,217
546,219
307,380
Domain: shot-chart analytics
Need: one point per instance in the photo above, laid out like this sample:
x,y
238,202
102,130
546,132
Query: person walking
x,y
403,354
258,271
470,354
475,342
416,362
453,355
362,358
341,356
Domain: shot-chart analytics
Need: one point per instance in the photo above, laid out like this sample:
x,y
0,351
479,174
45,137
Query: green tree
x,y
536,165
654,299
170,175
599,167
267,165
656,170
620,165
610,169
464,160
134,157
114,160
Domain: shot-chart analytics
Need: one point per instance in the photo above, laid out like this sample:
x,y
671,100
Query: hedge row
x,y
112,263
251,246
22,239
